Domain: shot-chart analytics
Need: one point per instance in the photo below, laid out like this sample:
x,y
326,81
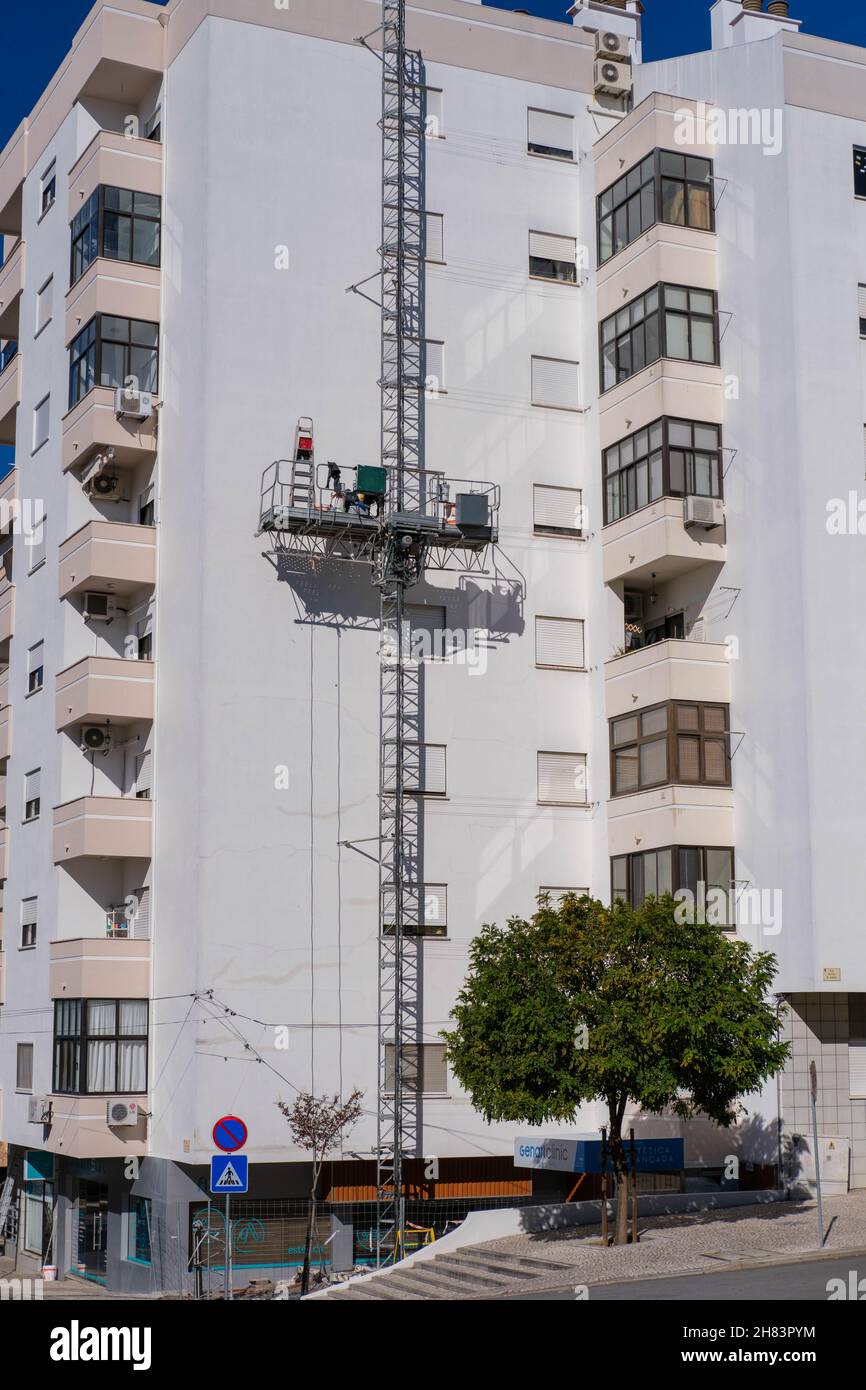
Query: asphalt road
x,y
799,1282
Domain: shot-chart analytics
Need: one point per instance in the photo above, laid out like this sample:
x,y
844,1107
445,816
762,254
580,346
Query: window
x,y
153,125
36,543
138,1230
857,1045
553,257
859,172
556,383
556,895
120,225
100,1046
433,112
29,916
425,910
48,188
559,643
435,233
143,776
557,511
668,321
145,640
670,458
434,365
562,779
24,1067
425,770
670,743
32,794
109,351
664,187
146,506
655,872
423,1068
550,133
861,308
35,668
44,304
41,422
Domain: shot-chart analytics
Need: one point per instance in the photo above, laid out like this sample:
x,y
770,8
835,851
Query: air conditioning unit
x,y
96,738
132,405
105,487
612,77
120,1114
707,512
613,46
39,1110
99,608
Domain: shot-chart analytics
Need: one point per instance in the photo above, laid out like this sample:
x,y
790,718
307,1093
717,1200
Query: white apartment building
x,y
634,332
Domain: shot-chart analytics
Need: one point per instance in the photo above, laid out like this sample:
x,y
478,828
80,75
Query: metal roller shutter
x,y
559,642
551,130
556,383
562,779
435,236
557,508
552,248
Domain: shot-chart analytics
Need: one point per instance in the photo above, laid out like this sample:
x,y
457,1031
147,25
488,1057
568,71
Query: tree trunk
x,y
308,1246
616,1149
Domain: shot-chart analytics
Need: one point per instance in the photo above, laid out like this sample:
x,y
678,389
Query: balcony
x,y
101,688
665,253
670,815
7,609
4,852
115,556
120,161
92,425
119,288
656,123
5,720
8,501
13,171
94,967
103,827
10,390
11,287
671,670
653,545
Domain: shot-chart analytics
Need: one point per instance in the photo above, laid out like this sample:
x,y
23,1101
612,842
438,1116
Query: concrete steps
x,y
470,1273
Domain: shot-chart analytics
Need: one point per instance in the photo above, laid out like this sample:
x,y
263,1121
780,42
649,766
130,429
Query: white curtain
x,y
101,1021
100,1066
133,1017
133,1066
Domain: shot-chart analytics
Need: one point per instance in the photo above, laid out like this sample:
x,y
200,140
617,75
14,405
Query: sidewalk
x,y
696,1243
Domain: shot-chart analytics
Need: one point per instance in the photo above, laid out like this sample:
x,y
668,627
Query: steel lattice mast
x,y
401,563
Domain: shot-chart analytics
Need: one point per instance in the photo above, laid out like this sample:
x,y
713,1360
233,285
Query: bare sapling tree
x,y
319,1124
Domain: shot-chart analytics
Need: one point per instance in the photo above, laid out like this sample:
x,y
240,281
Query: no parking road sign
x,y
230,1134
229,1173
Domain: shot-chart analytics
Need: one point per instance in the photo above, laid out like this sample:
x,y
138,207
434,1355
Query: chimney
x,y
779,7
751,4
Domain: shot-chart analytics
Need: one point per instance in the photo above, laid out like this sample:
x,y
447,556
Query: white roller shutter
x,y
435,111
434,362
433,769
424,631
434,906
861,304
562,779
29,912
32,785
857,1069
557,508
435,236
143,776
141,920
556,383
559,642
864,445
553,248
550,130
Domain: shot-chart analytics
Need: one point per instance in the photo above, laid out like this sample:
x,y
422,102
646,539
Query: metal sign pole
x,y
228,1258
813,1076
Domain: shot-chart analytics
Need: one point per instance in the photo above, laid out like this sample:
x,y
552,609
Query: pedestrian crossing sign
x,y
229,1173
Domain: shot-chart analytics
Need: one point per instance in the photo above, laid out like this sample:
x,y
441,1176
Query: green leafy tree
x,y
621,1005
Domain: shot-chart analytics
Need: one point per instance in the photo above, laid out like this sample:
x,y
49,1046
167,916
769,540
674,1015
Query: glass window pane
x,y
653,346
715,760
619,192
632,180
623,321
679,433
145,242
133,1066
101,1066
637,312
626,452
143,366
642,484
144,334
656,435
720,868
651,301
149,204
677,472
118,199
687,717
116,237
676,335
673,203
606,239
701,302
114,366
655,721
634,217
703,476
619,876
653,762
699,208
650,885
706,437
697,168
690,869
703,341
625,730
620,227
676,298
664,869
673,164
647,168
625,771
606,201
656,477
715,719
115,329
133,1017
647,206
689,757
101,1017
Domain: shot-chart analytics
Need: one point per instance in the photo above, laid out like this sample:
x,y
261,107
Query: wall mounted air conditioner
x,y
612,77
39,1110
612,46
95,738
119,1114
707,512
99,608
105,487
132,405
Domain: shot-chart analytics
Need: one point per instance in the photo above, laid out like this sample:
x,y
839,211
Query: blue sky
x,y
37,36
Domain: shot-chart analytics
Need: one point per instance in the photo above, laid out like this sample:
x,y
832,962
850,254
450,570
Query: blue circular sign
x,y
230,1134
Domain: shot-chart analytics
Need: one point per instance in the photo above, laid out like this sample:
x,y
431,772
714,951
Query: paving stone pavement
x,y
695,1241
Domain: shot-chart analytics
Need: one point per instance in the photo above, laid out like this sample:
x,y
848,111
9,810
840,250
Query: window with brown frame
x,y
676,742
